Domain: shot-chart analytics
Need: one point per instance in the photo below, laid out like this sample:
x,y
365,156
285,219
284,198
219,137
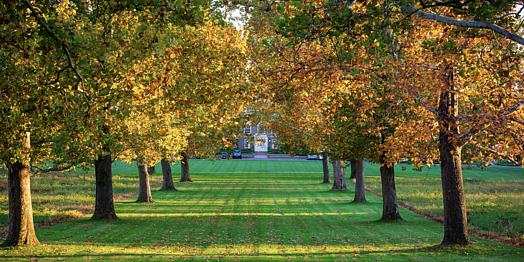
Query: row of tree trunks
x,y
360,190
21,228
144,188
325,168
339,176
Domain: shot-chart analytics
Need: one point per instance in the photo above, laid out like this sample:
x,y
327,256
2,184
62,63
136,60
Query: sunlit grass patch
x,y
235,211
494,197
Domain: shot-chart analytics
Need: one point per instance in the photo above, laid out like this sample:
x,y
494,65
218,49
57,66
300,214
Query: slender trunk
x,y
167,175
21,228
390,210
104,204
360,190
325,167
151,170
144,189
353,169
339,176
186,177
455,218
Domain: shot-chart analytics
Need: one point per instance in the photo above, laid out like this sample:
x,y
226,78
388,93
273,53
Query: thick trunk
x,y
104,205
186,177
325,167
360,190
455,218
390,210
353,169
339,176
151,170
21,228
144,189
167,175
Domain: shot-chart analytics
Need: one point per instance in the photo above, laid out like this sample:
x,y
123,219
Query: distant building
x,y
269,140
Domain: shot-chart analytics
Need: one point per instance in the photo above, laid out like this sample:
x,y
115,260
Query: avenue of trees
x,y
84,83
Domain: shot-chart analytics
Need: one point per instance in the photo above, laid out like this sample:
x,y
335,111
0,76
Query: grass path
x,y
253,210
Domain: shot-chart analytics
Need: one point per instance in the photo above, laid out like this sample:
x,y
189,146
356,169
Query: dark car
x,y
224,155
237,154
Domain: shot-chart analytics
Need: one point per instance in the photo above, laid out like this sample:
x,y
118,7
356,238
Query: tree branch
x,y
471,24
54,36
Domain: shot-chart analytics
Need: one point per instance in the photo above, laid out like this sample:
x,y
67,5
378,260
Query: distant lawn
x,y
256,210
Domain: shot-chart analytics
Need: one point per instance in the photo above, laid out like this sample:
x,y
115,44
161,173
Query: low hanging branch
x,y
471,24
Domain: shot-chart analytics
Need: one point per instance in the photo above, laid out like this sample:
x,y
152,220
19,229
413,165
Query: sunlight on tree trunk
x,y
339,176
21,227
144,189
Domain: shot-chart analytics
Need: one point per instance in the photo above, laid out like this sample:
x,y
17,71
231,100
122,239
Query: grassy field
x,y
494,197
255,210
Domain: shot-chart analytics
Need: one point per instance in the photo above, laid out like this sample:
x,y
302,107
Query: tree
x,y
339,176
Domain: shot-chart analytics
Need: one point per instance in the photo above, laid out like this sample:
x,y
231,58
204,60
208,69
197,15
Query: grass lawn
x,y
245,210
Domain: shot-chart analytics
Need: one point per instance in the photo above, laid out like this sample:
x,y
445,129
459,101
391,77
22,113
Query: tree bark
x,y
455,218
144,189
21,228
104,203
360,190
186,177
325,168
151,170
339,176
390,210
353,169
167,184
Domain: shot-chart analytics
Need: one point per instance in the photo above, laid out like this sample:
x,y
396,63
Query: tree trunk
x,y
360,190
455,218
151,170
339,176
390,210
104,204
167,175
144,189
186,177
21,228
353,169
325,167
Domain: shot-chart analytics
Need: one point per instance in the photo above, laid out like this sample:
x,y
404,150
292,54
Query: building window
x,y
247,130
